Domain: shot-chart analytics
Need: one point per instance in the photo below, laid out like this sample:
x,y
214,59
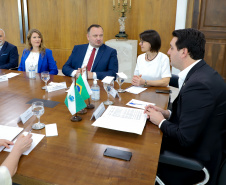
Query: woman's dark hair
x,y
153,38
191,39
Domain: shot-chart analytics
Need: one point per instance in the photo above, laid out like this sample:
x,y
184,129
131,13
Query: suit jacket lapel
x,y
193,69
3,48
98,57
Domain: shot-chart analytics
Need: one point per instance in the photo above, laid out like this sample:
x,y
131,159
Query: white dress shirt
x,y
86,60
32,60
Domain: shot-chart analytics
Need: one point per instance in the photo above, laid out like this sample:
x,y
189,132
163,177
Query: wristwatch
x,y
145,83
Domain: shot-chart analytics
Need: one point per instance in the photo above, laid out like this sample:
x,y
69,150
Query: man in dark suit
x,y
8,53
196,126
100,60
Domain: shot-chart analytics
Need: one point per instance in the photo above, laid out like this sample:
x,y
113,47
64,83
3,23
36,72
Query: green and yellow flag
x,y
82,88
74,100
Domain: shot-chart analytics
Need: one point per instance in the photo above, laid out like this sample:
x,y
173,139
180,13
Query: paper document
x,y
9,133
122,119
122,75
3,78
135,90
138,103
54,86
10,75
108,79
36,139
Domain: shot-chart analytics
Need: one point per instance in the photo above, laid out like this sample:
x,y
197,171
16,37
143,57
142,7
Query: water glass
x,y
45,77
38,111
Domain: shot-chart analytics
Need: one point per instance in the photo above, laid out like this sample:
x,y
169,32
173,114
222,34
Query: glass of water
x,y
45,77
120,81
38,111
108,88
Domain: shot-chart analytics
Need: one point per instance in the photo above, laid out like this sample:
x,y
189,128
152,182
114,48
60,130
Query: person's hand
x,y
90,75
165,113
83,69
78,72
23,143
137,80
6,143
154,116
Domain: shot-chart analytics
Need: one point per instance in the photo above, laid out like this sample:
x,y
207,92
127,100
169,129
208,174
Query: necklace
x,y
153,58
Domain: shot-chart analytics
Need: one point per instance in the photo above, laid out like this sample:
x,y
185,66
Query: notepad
x,y
9,133
51,130
36,139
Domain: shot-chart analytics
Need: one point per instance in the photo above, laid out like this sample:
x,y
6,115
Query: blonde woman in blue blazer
x,y
37,55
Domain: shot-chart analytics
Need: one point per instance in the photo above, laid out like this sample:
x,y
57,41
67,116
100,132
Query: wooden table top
x,y
75,156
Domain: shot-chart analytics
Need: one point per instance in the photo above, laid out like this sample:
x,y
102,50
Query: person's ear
x,y
185,52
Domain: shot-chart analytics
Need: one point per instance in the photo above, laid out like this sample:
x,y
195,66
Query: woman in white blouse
x,y
9,166
153,67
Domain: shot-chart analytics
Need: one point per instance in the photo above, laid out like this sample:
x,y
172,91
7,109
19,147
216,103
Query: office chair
x,y
174,81
171,158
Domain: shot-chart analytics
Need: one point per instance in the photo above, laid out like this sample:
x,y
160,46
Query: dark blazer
x,y
45,63
8,56
105,63
197,125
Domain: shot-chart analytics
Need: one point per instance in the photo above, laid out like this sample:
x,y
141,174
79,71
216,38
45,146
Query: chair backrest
x,y
174,81
222,175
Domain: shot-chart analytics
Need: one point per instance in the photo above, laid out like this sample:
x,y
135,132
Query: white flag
x,y
86,83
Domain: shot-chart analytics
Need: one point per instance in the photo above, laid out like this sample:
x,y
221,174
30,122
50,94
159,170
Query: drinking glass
x,y
38,111
45,77
108,88
120,81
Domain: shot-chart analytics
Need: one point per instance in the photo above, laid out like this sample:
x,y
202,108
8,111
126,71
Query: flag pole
x,y
89,106
75,118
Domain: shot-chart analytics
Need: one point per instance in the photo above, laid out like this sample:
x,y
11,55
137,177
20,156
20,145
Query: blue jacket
x,y
105,63
8,56
45,63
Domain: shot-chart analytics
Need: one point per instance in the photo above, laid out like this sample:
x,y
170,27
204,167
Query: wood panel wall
x,y
64,23
209,16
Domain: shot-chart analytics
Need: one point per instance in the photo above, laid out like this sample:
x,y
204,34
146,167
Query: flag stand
x,y
83,111
89,106
76,118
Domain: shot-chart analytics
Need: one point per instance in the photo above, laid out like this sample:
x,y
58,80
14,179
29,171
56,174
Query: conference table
x,y
75,156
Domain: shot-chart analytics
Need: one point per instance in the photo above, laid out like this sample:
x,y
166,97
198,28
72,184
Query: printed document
x,y
122,119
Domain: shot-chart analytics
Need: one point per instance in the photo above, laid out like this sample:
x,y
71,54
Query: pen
x,y
137,103
29,131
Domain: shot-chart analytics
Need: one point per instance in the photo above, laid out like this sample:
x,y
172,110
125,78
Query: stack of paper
x,y
122,119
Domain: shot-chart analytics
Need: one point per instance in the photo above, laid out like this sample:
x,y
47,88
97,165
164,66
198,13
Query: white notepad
x,y
51,130
36,139
9,133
